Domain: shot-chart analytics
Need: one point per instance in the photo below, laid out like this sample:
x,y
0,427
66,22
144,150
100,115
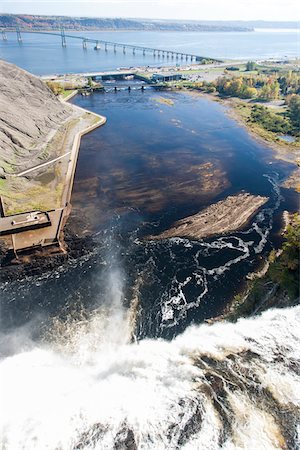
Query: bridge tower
x,y
19,37
63,37
4,36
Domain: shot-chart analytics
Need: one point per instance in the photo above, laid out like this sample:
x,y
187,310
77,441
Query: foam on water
x,y
223,385
208,260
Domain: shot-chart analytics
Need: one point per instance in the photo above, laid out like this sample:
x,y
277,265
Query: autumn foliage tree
x,y
56,88
294,111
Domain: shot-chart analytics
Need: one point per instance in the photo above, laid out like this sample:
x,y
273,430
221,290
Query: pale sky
x,y
161,9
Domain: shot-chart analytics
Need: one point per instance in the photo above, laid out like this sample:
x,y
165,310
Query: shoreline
x,y
279,149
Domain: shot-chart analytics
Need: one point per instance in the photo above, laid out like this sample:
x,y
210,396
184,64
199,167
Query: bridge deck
x,y
113,44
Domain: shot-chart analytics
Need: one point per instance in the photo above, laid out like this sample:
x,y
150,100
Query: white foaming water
x,y
229,386
174,304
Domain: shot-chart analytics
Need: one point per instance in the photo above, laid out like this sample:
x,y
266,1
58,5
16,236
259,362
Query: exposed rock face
x,y
222,217
29,112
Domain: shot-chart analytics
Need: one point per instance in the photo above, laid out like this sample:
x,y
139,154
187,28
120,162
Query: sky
x,y
161,9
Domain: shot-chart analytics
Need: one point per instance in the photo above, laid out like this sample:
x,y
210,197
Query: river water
x,y
159,158
109,351
221,45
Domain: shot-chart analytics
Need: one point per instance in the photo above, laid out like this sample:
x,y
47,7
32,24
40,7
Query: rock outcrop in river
x,y
221,217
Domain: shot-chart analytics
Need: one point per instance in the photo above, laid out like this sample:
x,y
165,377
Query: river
x,y
109,350
220,45
159,158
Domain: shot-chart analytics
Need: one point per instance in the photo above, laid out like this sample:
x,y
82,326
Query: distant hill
x,y
256,24
88,23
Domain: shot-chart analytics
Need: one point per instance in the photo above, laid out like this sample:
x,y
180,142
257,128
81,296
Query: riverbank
x,y
285,151
276,284
288,152
48,156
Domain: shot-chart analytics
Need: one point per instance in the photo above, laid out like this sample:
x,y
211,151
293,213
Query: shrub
x,y
269,120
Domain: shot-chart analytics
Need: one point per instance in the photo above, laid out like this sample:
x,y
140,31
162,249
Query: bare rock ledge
x,y
222,217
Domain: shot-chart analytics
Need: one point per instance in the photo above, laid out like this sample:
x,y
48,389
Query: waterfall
x,y
229,386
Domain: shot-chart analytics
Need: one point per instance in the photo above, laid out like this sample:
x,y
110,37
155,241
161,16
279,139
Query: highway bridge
x,y
99,44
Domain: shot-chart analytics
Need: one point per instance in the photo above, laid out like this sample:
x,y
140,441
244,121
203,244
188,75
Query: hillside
x,y
37,132
28,113
88,23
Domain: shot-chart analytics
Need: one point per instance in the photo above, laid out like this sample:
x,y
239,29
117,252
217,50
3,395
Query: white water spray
x,y
228,386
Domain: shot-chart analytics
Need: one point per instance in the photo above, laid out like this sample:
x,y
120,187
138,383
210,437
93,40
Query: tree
x,y
236,87
56,88
248,92
250,66
285,270
294,111
270,90
270,120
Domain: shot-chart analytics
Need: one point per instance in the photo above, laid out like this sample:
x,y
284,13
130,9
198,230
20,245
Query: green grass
x,y
66,94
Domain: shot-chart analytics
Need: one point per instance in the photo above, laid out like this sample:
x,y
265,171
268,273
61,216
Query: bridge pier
x,y
144,52
97,46
63,38
105,47
84,44
115,48
133,51
124,49
4,36
19,37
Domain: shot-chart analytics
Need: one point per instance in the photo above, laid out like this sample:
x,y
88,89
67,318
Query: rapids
x,y
88,385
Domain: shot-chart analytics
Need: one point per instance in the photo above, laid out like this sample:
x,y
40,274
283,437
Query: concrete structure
x,y
161,77
43,228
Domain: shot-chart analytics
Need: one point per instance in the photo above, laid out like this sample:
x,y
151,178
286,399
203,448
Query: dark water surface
x,y
37,48
160,157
